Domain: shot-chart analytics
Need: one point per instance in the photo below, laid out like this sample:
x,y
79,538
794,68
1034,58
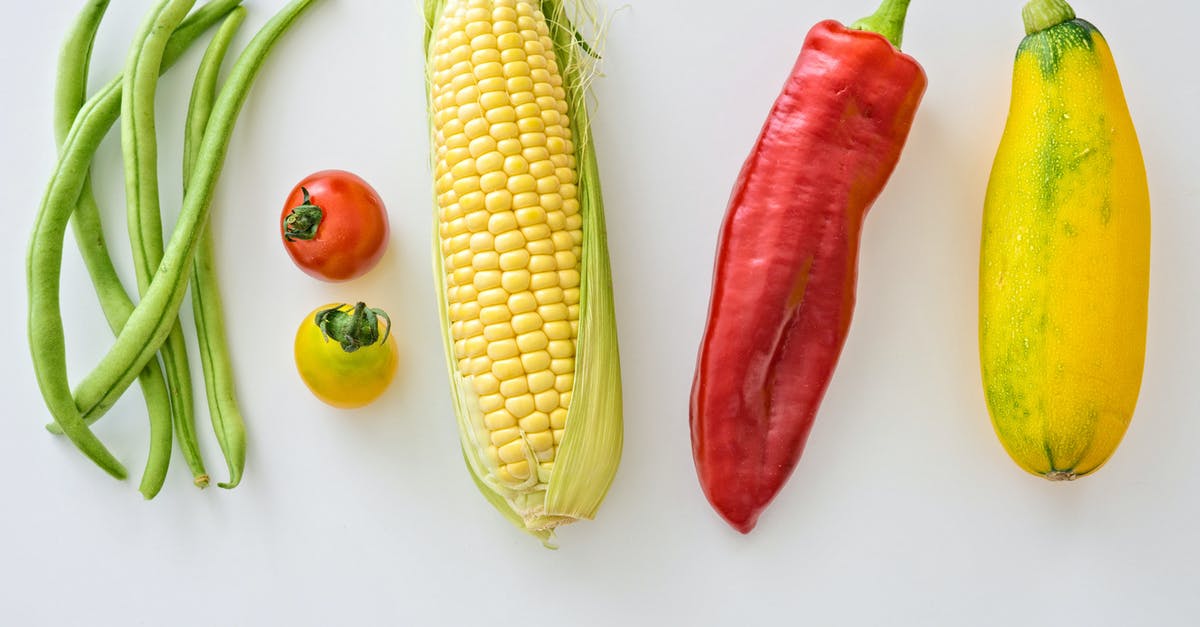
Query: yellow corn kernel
x,y
500,419
512,452
514,387
541,381
535,422
540,360
521,406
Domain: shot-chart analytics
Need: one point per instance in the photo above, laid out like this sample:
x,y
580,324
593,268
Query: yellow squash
x,y
1064,273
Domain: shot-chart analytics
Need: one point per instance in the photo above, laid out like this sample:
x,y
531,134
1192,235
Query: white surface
x,y
904,510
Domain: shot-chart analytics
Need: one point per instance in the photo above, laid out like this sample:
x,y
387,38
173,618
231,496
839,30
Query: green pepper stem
x,y
1040,15
887,21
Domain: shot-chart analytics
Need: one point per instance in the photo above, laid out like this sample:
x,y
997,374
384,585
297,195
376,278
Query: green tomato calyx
x,y
302,223
353,329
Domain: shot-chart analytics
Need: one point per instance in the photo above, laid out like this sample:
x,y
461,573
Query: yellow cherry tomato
x,y
346,354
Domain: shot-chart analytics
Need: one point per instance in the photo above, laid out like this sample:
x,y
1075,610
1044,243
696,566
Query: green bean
x,y
44,260
139,146
71,94
87,214
151,320
227,420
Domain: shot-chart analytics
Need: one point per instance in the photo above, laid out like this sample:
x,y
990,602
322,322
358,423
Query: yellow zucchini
x,y
1065,262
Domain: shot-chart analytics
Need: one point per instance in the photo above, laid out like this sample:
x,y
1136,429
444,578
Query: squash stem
x,y
1040,15
888,21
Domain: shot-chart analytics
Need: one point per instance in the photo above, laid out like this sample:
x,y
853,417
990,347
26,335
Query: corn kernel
x,y
512,452
514,260
519,471
540,382
536,422
543,280
494,314
536,232
540,441
499,419
563,241
494,296
509,147
543,263
561,349
565,259
516,281
480,242
492,181
542,246
522,302
512,240
542,169
504,113
507,369
492,100
501,223
499,331
504,130
490,162
491,403
526,322
540,360
564,382
515,165
532,341
522,183
546,401
551,295
485,261
558,330
503,349
521,406
558,418
472,202
477,221
529,216
500,437
525,200
514,387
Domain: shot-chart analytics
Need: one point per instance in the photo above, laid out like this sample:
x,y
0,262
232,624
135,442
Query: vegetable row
x,y
521,263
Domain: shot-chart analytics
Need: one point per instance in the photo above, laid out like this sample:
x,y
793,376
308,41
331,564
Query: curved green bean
x,y
86,219
151,320
70,95
227,421
44,259
139,145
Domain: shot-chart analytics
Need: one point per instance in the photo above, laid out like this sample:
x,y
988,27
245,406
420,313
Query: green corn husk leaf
x,y
590,450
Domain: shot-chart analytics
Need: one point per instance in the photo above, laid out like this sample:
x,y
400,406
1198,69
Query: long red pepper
x,y
783,288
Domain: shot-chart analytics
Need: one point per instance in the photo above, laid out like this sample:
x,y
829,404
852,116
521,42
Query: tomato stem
x,y
353,329
302,223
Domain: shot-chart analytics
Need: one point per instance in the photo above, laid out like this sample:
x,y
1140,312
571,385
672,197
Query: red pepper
x,y
783,288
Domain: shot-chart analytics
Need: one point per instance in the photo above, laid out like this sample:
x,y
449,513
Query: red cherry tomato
x,y
334,226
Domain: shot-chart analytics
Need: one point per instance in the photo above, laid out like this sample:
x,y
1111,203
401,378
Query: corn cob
x,y
521,259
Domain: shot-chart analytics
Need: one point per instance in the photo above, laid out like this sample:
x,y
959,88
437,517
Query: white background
x,y
904,510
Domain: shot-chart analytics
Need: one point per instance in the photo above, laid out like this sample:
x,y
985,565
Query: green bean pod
x,y
227,421
44,260
139,145
151,320
70,95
